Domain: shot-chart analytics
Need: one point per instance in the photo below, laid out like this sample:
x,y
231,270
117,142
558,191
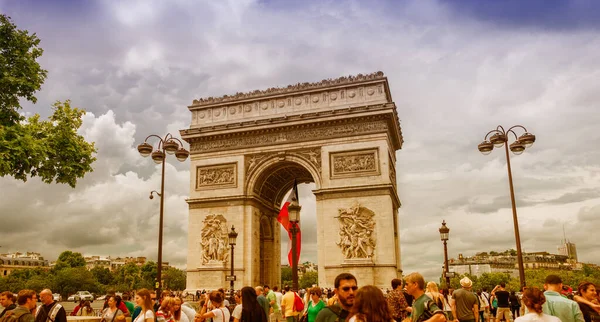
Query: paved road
x,y
69,306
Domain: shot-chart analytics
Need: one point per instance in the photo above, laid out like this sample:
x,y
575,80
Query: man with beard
x,y
345,287
50,311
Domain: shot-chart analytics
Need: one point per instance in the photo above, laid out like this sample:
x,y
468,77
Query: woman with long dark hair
x,y
370,306
249,310
587,297
112,311
218,313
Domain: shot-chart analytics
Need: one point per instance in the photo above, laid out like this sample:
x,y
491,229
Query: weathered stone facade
x,y
246,151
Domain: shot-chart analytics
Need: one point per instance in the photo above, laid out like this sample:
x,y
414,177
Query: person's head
x,y
396,282
216,298
87,304
7,298
167,304
266,288
345,289
287,288
177,301
466,283
415,283
27,298
432,287
46,296
248,295
112,301
587,290
237,296
370,305
534,298
275,288
259,290
153,295
553,283
315,294
512,293
143,298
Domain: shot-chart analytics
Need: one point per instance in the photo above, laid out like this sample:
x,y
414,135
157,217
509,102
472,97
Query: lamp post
x,y
170,145
232,237
499,138
294,217
444,232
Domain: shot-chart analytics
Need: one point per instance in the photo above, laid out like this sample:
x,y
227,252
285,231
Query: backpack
x,y
426,315
12,317
338,311
298,304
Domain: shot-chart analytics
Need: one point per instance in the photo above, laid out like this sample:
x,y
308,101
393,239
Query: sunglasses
x,y
347,288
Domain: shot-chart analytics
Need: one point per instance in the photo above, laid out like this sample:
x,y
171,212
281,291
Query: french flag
x,y
284,220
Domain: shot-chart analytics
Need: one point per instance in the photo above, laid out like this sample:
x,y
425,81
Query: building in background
x,y
12,261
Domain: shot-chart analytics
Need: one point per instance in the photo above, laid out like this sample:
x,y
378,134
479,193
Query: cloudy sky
x,y
457,69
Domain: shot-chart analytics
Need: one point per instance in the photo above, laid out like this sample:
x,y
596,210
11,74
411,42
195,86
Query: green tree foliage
x,y
127,276
36,279
309,279
174,279
286,276
69,259
72,279
50,149
102,275
148,273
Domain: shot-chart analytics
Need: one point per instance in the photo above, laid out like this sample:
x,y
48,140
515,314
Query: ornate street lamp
x,y
444,232
166,145
498,138
232,237
294,217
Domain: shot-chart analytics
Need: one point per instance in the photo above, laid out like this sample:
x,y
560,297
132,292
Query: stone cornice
x,y
360,191
345,80
368,124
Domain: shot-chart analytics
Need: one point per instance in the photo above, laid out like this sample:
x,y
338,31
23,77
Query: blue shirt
x,y
563,308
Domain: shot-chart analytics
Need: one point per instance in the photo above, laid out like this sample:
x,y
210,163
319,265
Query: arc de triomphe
x,y
246,151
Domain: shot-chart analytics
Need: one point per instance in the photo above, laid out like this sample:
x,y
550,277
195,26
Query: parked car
x,y
56,297
71,298
101,298
81,295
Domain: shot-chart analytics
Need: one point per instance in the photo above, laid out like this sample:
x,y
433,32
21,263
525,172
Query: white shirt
x,y
142,317
537,317
221,315
237,312
278,297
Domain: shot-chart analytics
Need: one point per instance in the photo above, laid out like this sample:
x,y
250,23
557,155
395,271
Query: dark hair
x,y
396,282
502,284
533,299
251,310
316,291
24,295
275,288
87,305
583,287
266,286
370,305
216,297
287,288
553,280
343,276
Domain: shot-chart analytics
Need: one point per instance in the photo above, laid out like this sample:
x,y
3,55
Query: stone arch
x,y
274,176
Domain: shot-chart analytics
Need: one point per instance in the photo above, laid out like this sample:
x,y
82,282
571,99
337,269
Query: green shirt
x,y
130,307
328,315
273,299
313,310
563,308
422,304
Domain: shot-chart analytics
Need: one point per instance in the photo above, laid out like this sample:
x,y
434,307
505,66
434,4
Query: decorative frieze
x,y
213,240
289,136
354,163
357,232
216,176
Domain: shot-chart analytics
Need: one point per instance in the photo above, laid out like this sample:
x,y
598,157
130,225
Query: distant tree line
x,y
307,280
70,275
533,277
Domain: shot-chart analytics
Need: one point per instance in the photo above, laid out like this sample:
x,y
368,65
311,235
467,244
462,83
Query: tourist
x,y
345,287
85,309
50,310
249,310
288,308
423,307
534,299
315,304
370,306
178,314
563,308
110,313
515,304
466,304
219,313
396,301
587,301
432,291
7,300
165,312
262,300
143,299
503,302
27,301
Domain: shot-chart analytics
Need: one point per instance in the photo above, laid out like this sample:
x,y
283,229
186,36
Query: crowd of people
x,y
409,300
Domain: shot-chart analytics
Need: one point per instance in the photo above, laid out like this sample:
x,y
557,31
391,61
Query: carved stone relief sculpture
x,y
357,232
354,163
214,239
219,176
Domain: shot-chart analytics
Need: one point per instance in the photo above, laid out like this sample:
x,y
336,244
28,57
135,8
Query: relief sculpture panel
x,y
354,163
214,240
216,176
357,232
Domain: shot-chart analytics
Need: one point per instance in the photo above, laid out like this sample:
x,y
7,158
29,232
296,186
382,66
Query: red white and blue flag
x,y
284,220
